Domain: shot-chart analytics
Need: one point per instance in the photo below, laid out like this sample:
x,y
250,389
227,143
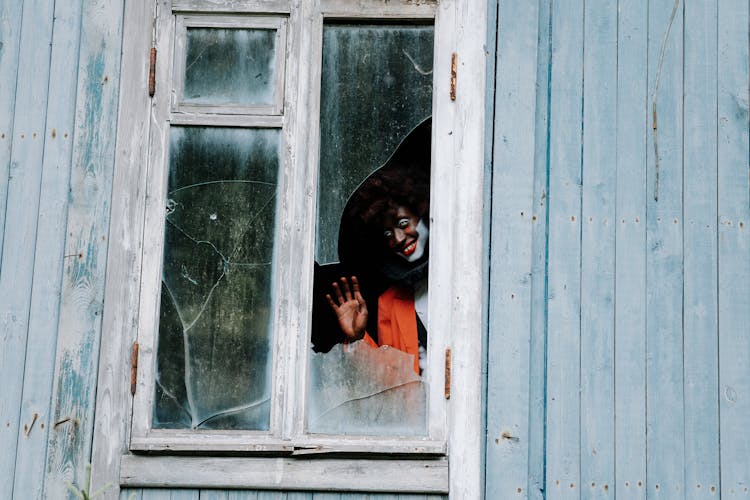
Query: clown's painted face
x,y
405,233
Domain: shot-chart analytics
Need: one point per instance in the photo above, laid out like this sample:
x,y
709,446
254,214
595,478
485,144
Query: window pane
x,y
376,86
230,66
373,223
214,353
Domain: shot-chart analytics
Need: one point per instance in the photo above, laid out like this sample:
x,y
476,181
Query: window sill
x,y
427,476
241,442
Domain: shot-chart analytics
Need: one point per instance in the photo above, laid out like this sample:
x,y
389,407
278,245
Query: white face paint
x,y
423,236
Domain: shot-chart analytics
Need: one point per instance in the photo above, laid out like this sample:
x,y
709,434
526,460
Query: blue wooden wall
x,y
619,302
619,320
59,81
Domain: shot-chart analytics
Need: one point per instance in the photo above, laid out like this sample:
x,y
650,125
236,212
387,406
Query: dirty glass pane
x,y
230,66
363,390
372,223
215,327
376,86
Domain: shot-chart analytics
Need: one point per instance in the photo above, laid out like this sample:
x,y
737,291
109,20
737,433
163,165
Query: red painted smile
x,y
410,248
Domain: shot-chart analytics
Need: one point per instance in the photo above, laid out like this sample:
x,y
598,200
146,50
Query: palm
x,y
352,317
350,308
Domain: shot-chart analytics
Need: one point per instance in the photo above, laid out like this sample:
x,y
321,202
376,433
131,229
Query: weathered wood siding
x,y
59,82
619,311
619,320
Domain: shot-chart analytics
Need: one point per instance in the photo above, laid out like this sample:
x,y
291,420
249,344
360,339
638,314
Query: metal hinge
x,y
448,373
133,368
152,73
453,76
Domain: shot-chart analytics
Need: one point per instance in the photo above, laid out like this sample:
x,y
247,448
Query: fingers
x,y
337,293
357,294
343,291
347,289
331,302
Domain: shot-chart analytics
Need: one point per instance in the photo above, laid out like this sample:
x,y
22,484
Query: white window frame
x,y
455,269
184,21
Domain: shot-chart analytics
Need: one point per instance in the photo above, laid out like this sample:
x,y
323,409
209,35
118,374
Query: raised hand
x,y
350,307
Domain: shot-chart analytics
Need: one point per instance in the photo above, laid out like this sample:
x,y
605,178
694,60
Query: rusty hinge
x,y
453,76
152,73
448,373
133,368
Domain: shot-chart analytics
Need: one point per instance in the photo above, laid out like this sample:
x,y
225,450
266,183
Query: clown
x,y
384,235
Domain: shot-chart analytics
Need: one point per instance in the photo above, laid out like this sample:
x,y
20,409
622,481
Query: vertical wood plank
x,y
598,250
664,266
48,258
510,259
82,288
10,43
734,248
20,211
700,247
111,431
630,255
564,307
537,486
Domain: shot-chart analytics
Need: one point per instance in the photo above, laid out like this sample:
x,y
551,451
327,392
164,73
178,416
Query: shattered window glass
x,y
376,86
369,333
230,66
215,328
365,390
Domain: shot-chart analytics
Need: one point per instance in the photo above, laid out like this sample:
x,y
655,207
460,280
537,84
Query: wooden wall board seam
x,y
490,88
10,36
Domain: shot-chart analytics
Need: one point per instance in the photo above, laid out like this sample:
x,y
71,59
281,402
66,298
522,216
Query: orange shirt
x,y
397,322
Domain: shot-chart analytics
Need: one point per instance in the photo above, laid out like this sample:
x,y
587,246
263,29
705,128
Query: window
x,y
268,122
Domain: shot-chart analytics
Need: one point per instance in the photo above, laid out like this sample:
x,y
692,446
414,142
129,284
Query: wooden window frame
x,y
184,21
456,272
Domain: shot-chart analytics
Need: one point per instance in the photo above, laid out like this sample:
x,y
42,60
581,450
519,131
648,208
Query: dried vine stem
x,y
653,102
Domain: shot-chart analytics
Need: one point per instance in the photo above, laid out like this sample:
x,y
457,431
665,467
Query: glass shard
x,y
364,390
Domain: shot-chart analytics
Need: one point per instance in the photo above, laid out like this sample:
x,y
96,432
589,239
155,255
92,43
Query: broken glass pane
x,y
214,352
376,86
230,66
359,389
373,223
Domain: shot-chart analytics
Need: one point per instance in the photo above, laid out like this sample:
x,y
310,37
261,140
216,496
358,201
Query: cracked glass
x,y
230,66
376,104
214,359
